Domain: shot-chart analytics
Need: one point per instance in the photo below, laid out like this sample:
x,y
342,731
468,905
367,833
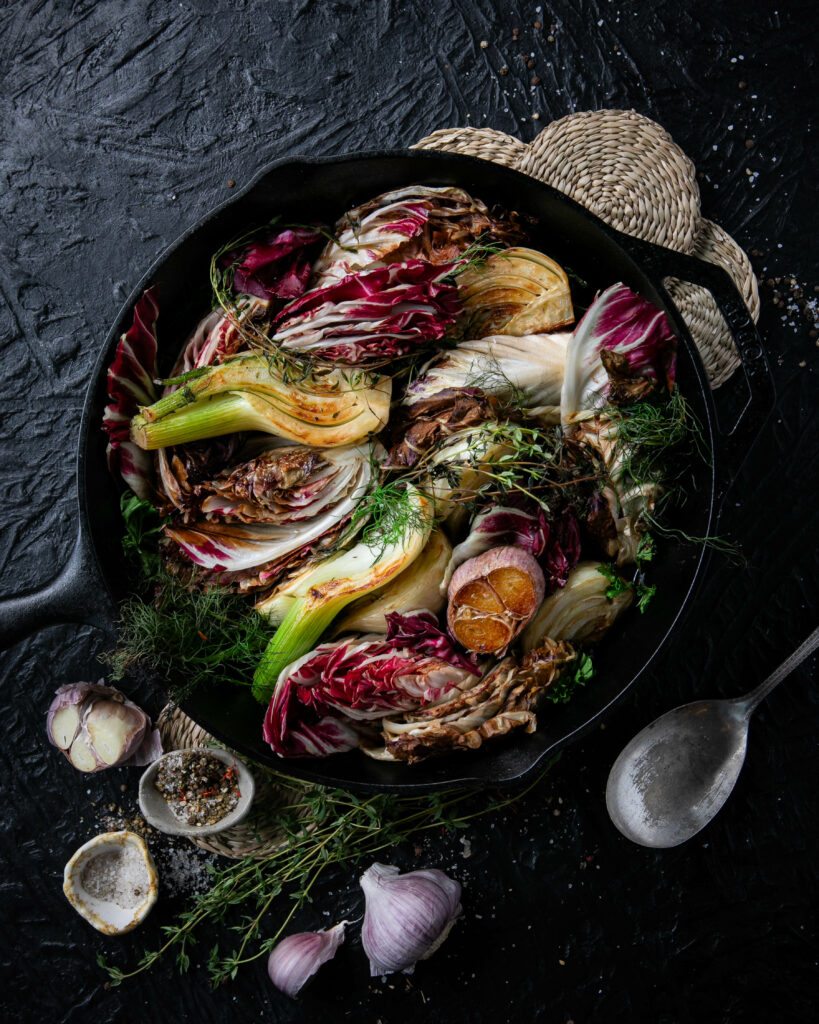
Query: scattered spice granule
x,y
231,183
484,44
504,70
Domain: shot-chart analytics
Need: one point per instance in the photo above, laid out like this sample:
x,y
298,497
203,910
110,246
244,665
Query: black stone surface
x,y
121,123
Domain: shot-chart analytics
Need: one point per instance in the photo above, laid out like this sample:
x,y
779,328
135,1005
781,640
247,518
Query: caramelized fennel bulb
x,y
250,393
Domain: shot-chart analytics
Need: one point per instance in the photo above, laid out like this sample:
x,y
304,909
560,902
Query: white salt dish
x,y
157,812
112,882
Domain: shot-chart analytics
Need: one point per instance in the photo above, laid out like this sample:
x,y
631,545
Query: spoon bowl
x,y
676,774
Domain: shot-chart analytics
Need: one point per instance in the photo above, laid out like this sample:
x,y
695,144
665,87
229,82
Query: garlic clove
x,y
406,917
296,958
111,881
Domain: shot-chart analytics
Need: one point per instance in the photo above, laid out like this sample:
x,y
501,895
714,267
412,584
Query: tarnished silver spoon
x,y
676,774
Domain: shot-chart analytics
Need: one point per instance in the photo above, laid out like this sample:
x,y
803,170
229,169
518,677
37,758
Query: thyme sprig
x,y
323,828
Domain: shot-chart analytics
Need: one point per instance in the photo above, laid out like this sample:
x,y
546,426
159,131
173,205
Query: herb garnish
x,y
190,636
324,827
562,691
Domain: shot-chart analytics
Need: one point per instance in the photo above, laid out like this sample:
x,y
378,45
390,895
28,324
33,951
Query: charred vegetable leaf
x,y
261,511
526,372
251,393
130,386
518,291
418,222
437,417
372,315
633,331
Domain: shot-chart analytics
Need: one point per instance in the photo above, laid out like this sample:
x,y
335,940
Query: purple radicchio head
x,y
372,315
131,385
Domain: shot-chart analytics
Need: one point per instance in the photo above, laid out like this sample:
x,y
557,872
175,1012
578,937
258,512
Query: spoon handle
x,y
804,650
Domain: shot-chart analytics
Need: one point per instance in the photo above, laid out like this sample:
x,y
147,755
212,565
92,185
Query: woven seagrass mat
x,y
627,170
261,832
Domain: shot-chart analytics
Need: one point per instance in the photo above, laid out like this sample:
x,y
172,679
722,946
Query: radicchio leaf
x,y
258,512
419,632
275,265
321,695
217,337
622,322
562,551
131,385
434,224
375,314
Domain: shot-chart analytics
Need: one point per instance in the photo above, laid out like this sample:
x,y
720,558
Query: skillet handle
x,y
76,594
745,400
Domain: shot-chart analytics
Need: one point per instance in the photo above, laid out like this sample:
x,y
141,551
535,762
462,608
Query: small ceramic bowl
x,y
157,812
119,894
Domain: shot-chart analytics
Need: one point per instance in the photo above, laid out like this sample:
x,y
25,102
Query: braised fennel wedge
x,y
390,484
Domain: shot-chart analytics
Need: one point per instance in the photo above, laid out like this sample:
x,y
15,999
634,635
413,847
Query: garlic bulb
x,y
296,958
406,917
96,727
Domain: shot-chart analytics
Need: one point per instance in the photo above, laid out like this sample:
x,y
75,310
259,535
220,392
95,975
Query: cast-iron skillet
x,y
96,575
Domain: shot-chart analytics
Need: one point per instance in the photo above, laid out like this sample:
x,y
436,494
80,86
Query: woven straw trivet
x,y
627,170
260,833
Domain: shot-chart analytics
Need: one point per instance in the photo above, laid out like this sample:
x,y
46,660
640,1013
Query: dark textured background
x,y
122,123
